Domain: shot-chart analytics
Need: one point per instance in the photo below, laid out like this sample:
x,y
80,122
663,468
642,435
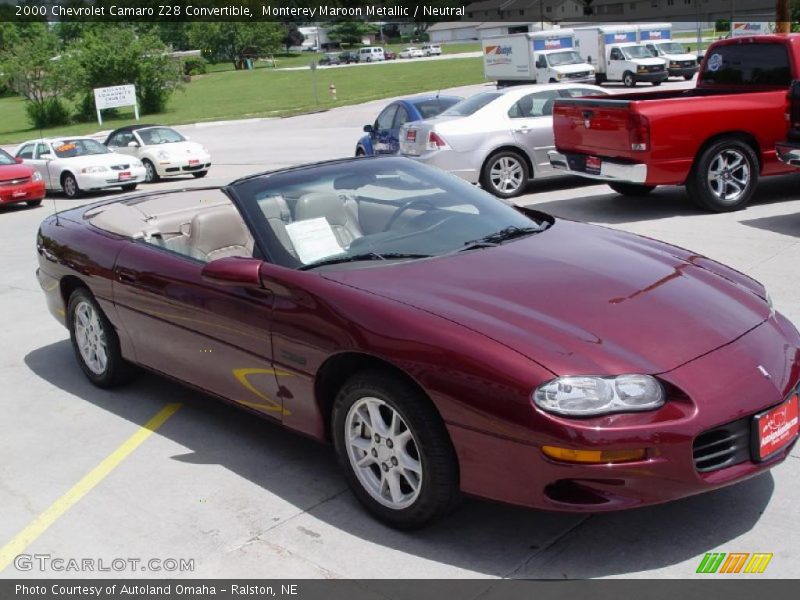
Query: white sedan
x,y
411,52
163,151
78,164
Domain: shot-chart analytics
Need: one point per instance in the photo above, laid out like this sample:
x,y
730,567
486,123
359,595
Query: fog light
x,y
593,456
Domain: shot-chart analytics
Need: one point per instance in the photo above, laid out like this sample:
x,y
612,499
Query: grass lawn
x,y
270,93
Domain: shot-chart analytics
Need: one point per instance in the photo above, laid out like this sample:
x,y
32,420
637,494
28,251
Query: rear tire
x,y
631,189
724,176
505,174
688,77
95,342
360,152
599,79
656,83
628,80
34,203
394,450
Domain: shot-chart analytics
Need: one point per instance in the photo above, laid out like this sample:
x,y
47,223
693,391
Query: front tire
x,y
656,83
628,80
129,187
505,174
688,77
95,342
70,186
724,176
34,203
199,174
631,189
150,173
394,450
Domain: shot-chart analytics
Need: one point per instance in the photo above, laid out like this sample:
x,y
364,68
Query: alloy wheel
x,y
91,338
507,174
728,175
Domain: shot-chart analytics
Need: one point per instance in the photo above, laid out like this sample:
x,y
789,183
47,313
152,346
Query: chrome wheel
x,y
91,338
383,453
507,174
728,175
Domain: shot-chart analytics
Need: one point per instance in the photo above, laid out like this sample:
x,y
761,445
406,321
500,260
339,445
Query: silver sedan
x,y
499,139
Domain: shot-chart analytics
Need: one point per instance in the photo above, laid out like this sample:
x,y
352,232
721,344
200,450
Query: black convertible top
x,y
128,128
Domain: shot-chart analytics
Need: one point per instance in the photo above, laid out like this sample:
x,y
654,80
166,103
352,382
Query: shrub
x,y
194,65
47,113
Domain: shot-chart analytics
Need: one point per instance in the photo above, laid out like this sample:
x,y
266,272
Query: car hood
x,y
106,160
579,298
177,148
15,171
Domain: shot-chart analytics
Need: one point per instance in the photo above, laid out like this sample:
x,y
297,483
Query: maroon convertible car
x,y
443,340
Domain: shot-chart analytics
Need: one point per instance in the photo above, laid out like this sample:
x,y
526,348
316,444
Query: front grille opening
x,y
722,446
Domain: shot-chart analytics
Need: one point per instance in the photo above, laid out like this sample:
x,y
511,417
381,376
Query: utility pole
x,y
782,17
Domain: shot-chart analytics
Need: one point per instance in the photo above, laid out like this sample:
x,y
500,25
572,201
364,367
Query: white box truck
x,y
540,57
657,37
617,56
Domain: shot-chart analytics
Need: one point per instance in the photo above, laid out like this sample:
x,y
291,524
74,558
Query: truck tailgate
x,y
587,126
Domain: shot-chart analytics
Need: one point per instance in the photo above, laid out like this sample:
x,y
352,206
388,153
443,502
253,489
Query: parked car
x,y
716,139
499,139
329,59
163,151
431,49
390,55
411,52
77,164
443,340
347,57
19,182
382,137
371,54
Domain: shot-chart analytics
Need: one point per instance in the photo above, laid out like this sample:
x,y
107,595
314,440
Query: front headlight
x,y
36,176
559,75
94,169
641,69
163,155
584,396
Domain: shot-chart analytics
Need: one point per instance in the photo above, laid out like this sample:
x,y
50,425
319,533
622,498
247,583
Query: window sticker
x,y
714,62
313,239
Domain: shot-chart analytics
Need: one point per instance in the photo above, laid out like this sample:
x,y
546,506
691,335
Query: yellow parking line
x,y
40,524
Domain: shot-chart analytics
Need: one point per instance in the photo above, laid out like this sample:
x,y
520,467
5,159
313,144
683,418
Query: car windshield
x,y
78,147
375,212
160,135
6,158
671,48
558,59
433,106
472,104
636,52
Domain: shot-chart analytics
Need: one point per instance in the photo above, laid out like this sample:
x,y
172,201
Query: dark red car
x,y
18,182
443,340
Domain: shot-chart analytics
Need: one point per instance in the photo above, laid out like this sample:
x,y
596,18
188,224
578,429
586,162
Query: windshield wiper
x,y
493,239
361,257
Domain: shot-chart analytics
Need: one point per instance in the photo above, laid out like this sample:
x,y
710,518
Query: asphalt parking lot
x,y
242,497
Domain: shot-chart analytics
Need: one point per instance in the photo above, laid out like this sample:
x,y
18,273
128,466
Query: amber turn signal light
x,y
593,456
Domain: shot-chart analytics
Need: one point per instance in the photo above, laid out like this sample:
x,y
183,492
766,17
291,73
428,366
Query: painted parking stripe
x,y
39,525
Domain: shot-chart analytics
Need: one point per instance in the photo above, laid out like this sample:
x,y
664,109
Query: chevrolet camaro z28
x,y
442,340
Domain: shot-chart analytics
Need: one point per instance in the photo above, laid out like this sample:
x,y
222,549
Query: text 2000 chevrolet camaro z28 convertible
x,y
443,340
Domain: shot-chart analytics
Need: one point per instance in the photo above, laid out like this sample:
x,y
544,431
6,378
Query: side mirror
x,y
368,129
18,160
233,271
133,144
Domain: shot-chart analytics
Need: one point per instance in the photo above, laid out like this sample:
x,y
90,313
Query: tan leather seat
x,y
219,232
276,211
340,210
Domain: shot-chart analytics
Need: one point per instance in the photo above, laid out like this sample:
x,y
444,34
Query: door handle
x,y
126,276
522,129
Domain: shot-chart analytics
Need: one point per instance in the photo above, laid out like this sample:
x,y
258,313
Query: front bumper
x,y
25,192
575,164
683,71
651,77
720,388
789,153
182,166
109,178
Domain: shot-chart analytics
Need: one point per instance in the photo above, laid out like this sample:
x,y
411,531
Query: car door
x,y
401,117
216,338
382,130
531,122
616,64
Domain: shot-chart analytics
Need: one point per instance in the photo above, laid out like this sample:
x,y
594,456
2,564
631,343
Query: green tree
x,y
293,37
351,32
235,41
116,54
30,66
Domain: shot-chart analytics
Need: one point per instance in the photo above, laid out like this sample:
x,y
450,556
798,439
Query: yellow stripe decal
x,y
41,523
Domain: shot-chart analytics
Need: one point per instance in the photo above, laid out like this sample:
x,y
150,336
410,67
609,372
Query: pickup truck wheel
x,y
631,189
505,174
724,177
628,80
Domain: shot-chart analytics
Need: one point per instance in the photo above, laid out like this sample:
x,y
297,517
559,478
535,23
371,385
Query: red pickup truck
x,y
789,150
716,139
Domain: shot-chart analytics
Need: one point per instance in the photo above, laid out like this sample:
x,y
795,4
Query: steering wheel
x,y
408,205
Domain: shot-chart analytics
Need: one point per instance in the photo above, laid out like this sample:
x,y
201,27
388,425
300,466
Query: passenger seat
x,y
340,210
218,233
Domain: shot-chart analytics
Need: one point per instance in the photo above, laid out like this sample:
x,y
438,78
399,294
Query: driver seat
x,y
340,210
218,233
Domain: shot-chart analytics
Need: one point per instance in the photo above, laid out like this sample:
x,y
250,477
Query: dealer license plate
x,y
19,194
593,164
193,161
775,428
125,175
